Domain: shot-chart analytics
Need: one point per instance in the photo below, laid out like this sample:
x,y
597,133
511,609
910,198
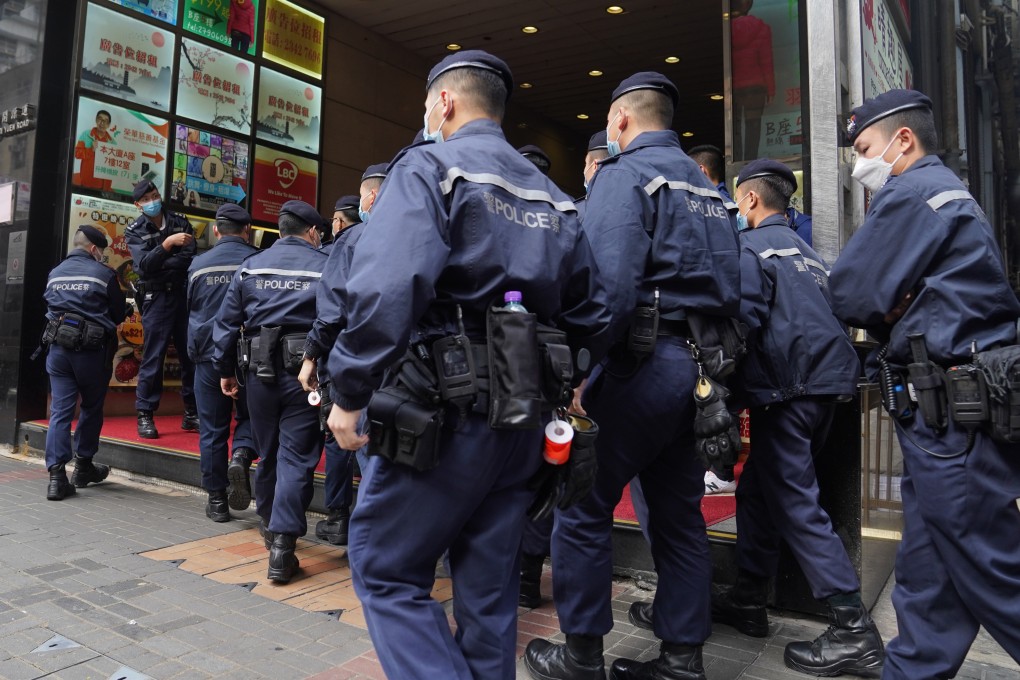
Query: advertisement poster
x,y
116,147
231,23
215,87
164,10
113,217
209,169
294,37
886,62
288,111
279,177
127,58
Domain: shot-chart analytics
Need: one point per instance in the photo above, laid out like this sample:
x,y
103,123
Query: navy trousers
x,y
338,488
777,498
215,410
86,373
165,316
958,565
289,441
645,429
473,505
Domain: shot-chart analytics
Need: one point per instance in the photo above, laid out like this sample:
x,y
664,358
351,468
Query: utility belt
x,y
271,350
143,287
523,369
74,332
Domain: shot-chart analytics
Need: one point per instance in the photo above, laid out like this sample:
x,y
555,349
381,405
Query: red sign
x,y
279,177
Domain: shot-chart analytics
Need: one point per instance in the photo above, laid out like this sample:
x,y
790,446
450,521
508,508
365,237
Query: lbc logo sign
x,y
286,172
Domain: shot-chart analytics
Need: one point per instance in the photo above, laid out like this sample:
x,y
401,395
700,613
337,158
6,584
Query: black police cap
x,y
141,188
598,141
95,235
378,170
882,106
347,203
234,213
473,59
647,80
763,167
304,212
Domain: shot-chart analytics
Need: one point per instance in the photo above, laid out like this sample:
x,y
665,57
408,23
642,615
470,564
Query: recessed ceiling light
x,y
614,9
522,125
453,47
688,134
526,85
582,116
530,29
595,72
725,15
716,97
672,60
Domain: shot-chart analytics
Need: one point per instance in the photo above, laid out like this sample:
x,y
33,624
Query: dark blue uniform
x,y
208,279
276,287
958,565
459,222
82,286
799,358
654,221
164,279
800,223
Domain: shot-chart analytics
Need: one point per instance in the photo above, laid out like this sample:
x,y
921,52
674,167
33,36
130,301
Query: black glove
x,y
546,483
717,436
580,469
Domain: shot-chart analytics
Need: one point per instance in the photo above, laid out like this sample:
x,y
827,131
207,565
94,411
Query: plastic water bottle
x,y
513,298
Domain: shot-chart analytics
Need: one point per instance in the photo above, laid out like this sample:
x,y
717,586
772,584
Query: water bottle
x,y
513,298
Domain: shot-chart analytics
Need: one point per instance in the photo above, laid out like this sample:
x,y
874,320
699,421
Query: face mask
x,y
362,214
584,174
97,254
152,208
613,147
873,173
742,218
436,136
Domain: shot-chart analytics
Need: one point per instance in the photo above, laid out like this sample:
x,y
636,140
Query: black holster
x,y
263,350
404,431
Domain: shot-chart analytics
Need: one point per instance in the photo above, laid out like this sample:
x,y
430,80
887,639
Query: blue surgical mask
x,y
613,147
362,213
152,208
741,218
436,136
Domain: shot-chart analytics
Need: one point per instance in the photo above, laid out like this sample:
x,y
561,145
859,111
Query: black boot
x,y
531,581
59,488
743,605
216,507
851,644
579,659
640,614
146,425
190,420
335,527
239,493
267,535
283,563
675,662
87,472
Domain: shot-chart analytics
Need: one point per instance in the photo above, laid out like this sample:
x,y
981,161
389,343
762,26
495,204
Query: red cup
x,y
558,435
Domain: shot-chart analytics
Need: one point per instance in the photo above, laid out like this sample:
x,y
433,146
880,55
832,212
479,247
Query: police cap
x,y
764,167
94,235
647,80
473,59
598,141
347,203
882,106
141,188
304,212
234,213
378,170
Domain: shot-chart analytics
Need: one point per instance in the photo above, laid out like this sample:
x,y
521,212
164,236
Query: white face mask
x,y
873,173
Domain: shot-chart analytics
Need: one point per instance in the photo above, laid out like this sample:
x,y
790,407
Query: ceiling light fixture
x,y
672,60
688,134
614,9
595,73
526,86
716,97
453,47
530,29
582,116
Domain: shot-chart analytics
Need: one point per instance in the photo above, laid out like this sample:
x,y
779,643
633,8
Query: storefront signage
x,y
215,87
294,37
288,111
116,147
164,10
113,217
127,58
886,62
209,169
228,22
17,120
279,177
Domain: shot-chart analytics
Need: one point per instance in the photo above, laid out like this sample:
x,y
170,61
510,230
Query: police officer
x,y
273,298
84,305
711,161
538,157
799,364
655,224
162,245
345,214
925,262
451,229
208,278
596,154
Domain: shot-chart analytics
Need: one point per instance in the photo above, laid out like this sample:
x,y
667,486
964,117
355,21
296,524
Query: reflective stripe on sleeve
x,y
453,174
790,252
939,200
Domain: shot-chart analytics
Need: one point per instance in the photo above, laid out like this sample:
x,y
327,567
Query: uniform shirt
x,y
925,233
275,287
800,223
329,306
80,285
655,221
581,205
209,276
796,346
462,222
151,261
724,192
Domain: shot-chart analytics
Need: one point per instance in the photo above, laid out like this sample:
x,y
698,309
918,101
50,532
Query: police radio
x,y
455,365
644,328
